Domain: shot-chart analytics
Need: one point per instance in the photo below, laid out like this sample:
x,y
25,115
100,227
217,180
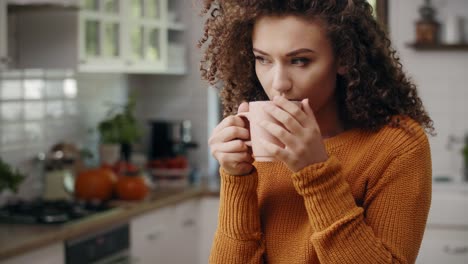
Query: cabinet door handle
x,y
456,250
154,235
188,222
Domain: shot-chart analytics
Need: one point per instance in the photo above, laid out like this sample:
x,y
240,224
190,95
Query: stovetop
x,y
48,212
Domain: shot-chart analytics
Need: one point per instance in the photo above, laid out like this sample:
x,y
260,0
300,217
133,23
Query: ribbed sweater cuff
x,y
238,213
327,195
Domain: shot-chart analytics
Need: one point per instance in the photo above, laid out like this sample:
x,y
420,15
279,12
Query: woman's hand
x,y
300,135
227,144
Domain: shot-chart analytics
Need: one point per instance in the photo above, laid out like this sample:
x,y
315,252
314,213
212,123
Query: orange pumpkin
x,y
95,184
131,187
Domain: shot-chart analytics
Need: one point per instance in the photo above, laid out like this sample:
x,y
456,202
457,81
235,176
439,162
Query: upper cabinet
x,y
129,36
3,36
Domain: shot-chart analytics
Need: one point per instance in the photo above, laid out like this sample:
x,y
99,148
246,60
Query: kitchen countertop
x,y
17,239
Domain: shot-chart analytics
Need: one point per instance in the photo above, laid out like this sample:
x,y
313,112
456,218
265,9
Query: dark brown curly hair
x,y
371,94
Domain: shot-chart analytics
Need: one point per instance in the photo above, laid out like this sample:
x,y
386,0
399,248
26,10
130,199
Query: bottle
x,y
454,30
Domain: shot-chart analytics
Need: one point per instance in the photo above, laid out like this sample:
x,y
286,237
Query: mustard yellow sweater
x,y
368,203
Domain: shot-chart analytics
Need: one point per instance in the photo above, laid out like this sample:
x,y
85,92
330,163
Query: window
x,y
380,10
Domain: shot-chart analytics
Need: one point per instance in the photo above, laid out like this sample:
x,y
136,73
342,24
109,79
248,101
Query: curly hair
x,y
373,92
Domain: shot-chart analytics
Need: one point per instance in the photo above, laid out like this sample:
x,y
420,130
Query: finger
x,y
275,151
228,159
243,107
308,110
283,117
229,121
232,133
281,134
291,108
230,147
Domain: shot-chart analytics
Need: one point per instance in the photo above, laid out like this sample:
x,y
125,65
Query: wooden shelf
x,y
438,47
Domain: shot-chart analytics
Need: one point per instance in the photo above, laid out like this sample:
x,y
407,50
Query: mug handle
x,y
247,116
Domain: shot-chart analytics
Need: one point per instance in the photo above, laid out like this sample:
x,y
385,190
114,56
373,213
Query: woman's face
x,y
294,58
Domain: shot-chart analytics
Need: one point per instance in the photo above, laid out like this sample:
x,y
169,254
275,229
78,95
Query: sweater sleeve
x,y
390,225
238,238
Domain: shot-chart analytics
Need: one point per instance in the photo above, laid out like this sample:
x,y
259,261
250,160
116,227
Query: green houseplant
x,y
120,128
9,178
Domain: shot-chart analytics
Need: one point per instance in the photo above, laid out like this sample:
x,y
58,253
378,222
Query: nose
x,y
281,80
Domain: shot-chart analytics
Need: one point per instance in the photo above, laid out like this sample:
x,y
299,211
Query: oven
x,y
109,246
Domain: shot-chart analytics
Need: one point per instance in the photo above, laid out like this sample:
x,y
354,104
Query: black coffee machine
x,y
169,138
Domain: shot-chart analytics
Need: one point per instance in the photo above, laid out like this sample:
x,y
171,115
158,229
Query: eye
x,y
300,61
261,60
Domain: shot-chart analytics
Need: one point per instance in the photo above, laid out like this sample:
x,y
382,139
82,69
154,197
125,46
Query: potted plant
x,y
118,132
9,178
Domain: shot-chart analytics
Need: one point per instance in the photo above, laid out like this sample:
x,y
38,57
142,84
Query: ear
x,y
341,68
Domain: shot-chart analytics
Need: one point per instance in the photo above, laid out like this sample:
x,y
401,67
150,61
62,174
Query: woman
x,y
353,182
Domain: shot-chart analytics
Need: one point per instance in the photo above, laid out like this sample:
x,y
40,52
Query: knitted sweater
x,y
368,203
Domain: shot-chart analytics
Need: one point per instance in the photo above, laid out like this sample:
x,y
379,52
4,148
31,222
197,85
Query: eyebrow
x,y
290,54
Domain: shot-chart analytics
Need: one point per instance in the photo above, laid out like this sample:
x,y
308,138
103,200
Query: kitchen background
x,y
440,76
40,107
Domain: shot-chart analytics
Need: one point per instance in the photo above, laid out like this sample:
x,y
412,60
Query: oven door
x,y
108,246
119,258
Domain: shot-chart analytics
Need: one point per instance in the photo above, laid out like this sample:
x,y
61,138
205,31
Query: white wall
x,y
441,77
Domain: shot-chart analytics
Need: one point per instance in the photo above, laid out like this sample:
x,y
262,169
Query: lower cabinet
x,y
446,236
444,246
53,254
167,235
209,207
178,234
185,235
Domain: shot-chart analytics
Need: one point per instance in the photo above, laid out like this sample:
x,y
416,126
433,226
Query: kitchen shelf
x,y
438,47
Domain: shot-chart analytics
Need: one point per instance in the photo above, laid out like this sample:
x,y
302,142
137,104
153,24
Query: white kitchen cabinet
x,y
101,35
167,235
209,207
3,36
134,35
446,236
124,36
150,236
53,254
185,233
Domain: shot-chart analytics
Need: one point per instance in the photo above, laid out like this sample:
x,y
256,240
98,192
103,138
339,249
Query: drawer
x,y
152,222
448,209
444,246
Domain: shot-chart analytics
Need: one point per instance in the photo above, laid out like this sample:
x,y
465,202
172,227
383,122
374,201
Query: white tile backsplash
x,y
11,111
12,135
54,88
34,132
49,107
69,88
11,89
34,110
54,109
33,88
